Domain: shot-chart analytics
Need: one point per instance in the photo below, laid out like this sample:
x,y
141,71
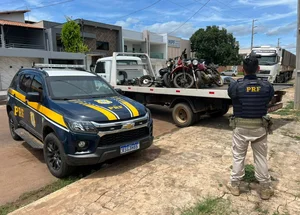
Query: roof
x,y
14,11
18,24
67,72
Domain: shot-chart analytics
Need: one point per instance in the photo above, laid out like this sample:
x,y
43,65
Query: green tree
x,y
215,45
71,38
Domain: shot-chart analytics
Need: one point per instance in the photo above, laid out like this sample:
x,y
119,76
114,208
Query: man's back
x,y
250,97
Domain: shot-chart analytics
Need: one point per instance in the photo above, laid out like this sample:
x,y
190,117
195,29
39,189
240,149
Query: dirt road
x,y
22,169
180,169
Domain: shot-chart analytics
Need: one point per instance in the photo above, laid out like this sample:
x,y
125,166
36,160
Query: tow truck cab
x,y
76,117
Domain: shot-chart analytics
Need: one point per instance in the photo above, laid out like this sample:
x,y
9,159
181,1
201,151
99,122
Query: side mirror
x,y
33,97
119,91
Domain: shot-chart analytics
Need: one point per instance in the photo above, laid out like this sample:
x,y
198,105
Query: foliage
x,y
71,38
213,206
216,45
249,173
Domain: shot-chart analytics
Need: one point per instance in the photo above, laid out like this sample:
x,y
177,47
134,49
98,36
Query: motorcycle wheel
x,y
199,82
183,82
146,81
218,80
166,80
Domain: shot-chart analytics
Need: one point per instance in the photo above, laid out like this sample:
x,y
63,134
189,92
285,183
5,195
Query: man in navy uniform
x,y
250,98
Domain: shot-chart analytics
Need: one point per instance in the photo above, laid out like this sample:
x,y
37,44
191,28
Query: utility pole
x,y
297,87
252,35
278,43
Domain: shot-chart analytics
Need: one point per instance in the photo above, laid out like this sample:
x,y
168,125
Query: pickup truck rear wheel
x,y
55,157
183,115
13,125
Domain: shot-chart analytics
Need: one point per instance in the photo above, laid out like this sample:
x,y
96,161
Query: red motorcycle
x,y
182,76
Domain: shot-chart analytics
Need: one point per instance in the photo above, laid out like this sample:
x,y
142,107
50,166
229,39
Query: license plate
x,y
129,148
275,108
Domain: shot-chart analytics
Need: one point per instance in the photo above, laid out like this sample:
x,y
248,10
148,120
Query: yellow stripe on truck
x,y
134,111
109,114
55,117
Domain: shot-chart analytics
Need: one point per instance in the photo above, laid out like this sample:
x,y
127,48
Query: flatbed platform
x,y
212,92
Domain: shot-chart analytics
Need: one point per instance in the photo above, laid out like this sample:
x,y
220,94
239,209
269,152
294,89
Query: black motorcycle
x,y
165,72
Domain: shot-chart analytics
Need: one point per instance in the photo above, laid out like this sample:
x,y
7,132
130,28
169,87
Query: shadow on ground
x,y
128,162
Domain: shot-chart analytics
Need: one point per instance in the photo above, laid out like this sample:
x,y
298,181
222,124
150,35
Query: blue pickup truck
x,y
76,117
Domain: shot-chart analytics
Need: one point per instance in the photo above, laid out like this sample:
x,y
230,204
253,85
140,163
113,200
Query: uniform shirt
x,y
250,97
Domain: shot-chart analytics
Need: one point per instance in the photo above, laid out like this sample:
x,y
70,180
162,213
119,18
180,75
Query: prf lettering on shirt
x,y
253,89
19,111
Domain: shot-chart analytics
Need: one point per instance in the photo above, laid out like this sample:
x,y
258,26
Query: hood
x,y
106,109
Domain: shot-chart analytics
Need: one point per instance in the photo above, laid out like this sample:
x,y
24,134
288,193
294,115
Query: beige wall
x,y
176,51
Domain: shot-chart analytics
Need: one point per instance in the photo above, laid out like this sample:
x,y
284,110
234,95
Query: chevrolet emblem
x,y
128,126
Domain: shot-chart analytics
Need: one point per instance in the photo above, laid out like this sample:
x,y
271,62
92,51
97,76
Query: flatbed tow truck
x,y
187,104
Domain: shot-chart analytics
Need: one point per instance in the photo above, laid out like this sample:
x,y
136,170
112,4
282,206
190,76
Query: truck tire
x,y
55,157
183,115
13,125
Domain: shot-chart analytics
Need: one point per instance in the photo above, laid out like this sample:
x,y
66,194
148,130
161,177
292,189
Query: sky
x,y
275,18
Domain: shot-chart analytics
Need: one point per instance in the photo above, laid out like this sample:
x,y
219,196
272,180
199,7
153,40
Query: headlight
x,y
149,113
81,126
195,62
168,64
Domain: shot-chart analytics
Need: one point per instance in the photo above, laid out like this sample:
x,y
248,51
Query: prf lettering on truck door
x,y
19,112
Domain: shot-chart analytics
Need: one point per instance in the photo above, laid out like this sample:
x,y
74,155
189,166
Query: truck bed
x,y
212,92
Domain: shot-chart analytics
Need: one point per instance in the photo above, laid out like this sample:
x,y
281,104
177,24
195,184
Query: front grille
x,y
264,71
125,136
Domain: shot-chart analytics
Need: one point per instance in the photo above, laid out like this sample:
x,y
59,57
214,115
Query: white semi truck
x,y
276,64
187,104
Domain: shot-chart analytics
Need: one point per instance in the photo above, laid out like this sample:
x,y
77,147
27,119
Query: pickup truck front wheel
x,y
183,115
13,125
55,157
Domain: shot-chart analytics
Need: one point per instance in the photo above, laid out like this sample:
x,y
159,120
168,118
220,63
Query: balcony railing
x,y
23,42
157,55
24,46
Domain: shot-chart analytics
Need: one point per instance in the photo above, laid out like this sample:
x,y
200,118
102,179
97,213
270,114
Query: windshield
x,y
267,60
74,87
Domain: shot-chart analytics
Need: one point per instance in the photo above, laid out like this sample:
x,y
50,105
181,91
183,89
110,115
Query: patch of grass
x,y
288,110
249,173
277,213
212,206
32,196
290,135
261,211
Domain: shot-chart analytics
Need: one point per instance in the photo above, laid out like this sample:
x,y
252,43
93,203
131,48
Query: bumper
x,y
104,153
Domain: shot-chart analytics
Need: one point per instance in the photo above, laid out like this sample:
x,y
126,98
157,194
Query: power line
x,y
121,17
49,5
190,17
43,6
185,7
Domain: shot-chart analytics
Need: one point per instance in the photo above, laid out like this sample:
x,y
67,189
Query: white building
x,y
159,47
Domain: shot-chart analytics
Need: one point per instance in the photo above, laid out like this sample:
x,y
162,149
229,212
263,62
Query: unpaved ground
x,y
22,169
180,169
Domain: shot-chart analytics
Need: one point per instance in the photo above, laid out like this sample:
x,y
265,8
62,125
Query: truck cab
x,y
75,116
276,64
